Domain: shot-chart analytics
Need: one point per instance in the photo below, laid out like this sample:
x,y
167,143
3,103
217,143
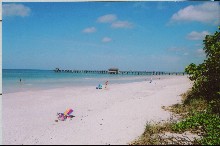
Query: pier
x,y
116,71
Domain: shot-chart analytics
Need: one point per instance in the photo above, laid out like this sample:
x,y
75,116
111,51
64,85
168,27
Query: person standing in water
x,y
20,79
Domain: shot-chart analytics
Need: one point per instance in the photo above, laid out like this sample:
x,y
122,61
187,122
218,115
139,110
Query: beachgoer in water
x,y
20,80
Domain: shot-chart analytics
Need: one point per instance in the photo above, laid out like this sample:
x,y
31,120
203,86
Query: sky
x,y
141,36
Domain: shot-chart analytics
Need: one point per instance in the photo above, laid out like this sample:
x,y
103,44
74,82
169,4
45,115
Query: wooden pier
x,y
119,72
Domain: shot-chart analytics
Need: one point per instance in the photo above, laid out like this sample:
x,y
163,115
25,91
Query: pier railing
x,y
121,72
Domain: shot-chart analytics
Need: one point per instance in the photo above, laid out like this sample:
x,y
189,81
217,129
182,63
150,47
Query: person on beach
x,y
99,86
151,80
20,79
106,83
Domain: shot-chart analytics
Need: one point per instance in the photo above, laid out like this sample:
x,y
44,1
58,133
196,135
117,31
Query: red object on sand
x,y
68,112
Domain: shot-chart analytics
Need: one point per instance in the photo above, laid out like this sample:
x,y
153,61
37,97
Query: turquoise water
x,y
48,79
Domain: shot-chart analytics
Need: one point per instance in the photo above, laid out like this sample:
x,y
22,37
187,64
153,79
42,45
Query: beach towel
x,y
65,115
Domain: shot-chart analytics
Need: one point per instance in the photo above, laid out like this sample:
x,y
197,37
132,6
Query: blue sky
x,y
159,36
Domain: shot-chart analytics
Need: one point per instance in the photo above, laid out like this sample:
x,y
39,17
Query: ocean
x,y
48,79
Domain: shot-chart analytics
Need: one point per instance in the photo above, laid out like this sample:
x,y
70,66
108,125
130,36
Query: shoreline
x,y
22,87
113,116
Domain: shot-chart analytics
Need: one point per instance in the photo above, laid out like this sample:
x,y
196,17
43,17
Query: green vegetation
x,y
196,118
189,105
200,107
206,76
153,134
205,124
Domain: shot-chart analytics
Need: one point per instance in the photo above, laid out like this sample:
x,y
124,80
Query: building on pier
x,y
57,70
113,71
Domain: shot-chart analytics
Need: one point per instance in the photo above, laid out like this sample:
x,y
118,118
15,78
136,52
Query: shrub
x,y
206,75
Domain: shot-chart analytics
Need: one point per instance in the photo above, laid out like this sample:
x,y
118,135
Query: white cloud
x,y
207,12
106,40
107,18
197,35
113,20
200,52
15,10
89,30
179,51
121,24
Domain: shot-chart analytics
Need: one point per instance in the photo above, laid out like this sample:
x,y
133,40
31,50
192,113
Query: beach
x,y
115,115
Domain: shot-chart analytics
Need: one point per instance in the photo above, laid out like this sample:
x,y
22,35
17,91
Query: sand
x,y
116,115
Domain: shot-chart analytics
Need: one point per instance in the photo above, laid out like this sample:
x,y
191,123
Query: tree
x,y
206,76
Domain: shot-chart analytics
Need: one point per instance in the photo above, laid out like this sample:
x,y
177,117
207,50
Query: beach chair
x,y
65,115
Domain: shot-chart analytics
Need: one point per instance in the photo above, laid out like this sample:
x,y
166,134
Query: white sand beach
x,y
116,115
